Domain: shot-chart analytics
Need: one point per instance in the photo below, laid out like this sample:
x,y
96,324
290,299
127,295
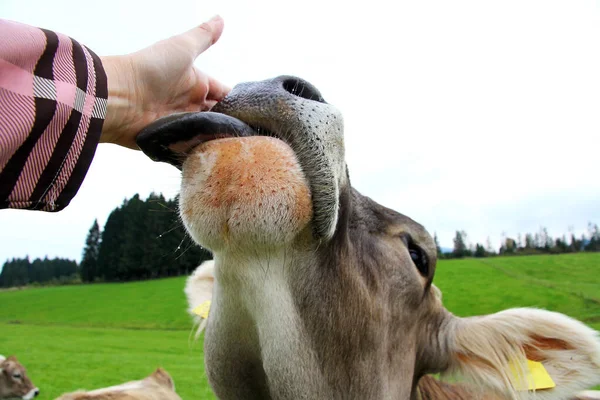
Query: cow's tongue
x,y
170,139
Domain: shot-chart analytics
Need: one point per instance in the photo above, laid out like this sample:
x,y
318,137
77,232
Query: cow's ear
x,y
198,290
163,378
512,351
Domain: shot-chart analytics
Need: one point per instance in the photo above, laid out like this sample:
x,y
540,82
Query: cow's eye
x,y
419,259
17,375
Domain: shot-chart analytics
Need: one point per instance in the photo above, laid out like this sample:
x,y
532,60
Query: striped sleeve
x,y
53,94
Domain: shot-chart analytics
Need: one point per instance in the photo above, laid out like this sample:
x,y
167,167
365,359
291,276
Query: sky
x,y
475,115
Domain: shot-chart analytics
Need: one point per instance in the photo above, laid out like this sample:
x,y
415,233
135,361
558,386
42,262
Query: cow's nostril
x,y
36,393
303,89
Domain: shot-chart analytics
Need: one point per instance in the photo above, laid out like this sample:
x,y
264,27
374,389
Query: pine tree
x,y
575,244
529,241
110,246
5,275
489,249
594,241
135,240
460,247
438,249
160,224
91,251
479,251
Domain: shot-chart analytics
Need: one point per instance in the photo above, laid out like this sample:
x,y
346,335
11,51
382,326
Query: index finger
x,y
205,35
216,90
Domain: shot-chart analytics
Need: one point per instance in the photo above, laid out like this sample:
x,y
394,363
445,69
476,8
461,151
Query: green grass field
x,y
92,336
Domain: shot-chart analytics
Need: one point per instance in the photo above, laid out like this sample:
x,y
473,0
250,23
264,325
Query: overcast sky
x,y
476,115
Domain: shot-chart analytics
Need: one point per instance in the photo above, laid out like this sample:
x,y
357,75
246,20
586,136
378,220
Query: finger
x,y
204,35
209,104
216,90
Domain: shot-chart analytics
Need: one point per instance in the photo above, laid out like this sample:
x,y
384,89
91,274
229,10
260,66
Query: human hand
x,y
157,81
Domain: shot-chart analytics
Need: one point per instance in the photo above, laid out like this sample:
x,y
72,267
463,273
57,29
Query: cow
x,y
157,386
14,382
319,292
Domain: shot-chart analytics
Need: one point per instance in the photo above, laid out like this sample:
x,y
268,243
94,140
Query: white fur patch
x,y
260,284
256,292
31,394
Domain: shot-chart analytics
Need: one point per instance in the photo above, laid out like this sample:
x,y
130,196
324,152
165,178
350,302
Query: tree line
x,y
145,239
531,243
21,271
142,239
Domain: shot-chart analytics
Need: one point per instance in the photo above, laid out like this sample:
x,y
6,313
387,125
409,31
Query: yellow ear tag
x,y
203,309
537,377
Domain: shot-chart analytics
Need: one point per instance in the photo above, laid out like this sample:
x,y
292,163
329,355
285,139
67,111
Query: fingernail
x,y
215,18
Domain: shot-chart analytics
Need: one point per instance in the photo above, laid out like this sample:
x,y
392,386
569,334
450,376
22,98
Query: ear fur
x,y
199,288
163,378
481,349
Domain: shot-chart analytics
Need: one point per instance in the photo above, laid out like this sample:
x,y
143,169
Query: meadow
x,y
91,336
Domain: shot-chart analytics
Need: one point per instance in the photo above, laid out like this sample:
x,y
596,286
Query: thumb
x,y
203,36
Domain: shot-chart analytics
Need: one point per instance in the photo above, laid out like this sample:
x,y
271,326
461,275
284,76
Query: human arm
x,y
58,100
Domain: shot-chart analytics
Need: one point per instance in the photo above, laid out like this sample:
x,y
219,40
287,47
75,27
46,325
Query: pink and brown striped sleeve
x,y
53,94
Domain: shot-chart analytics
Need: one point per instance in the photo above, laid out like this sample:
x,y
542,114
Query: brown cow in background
x,y
14,382
158,386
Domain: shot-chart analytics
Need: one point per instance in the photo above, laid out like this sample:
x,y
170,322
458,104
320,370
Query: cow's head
x,y
275,187
158,385
14,382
